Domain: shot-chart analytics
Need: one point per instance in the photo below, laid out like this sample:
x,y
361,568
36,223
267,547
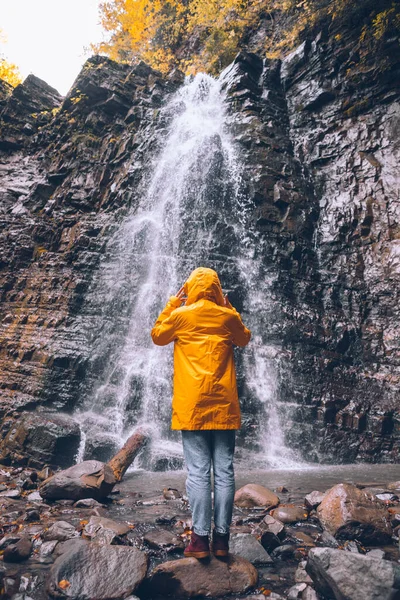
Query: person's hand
x,y
181,294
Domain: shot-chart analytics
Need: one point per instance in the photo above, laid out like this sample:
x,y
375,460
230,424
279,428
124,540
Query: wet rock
x,y
301,575
9,539
41,438
376,553
347,513
171,494
394,485
314,499
303,538
338,574
289,513
273,525
284,551
32,514
19,551
75,483
327,539
252,495
11,494
247,546
105,531
34,496
310,594
161,539
192,578
47,548
60,531
98,572
267,539
88,503
296,591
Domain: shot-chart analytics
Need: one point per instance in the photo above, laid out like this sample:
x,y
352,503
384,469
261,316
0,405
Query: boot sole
x,y
196,554
221,553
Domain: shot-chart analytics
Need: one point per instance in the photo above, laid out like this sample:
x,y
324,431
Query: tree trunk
x,y
125,457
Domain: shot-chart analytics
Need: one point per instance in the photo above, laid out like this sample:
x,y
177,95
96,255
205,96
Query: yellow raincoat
x,y
204,331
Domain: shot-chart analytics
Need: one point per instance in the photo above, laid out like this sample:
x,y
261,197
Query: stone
x,y
314,499
348,576
60,531
301,575
104,531
289,513
309,594
75,483
347,513
7,540
284,551
252,495
37,439
47,548
161,539
88,503
19,551
327,539
247,546
192,578
296,591
98,572
275,526
394,485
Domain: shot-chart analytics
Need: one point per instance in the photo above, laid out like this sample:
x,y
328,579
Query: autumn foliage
x,y
206,34
8,71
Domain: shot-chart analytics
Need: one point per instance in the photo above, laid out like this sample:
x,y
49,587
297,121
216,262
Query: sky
x,y
47,37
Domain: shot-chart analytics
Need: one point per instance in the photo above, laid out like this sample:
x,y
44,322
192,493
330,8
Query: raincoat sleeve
x,y
240,334
164,330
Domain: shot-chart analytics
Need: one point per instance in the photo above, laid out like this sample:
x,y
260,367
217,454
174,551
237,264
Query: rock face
x,y
40,438
192,578
97,572
318,135
348,513
347,576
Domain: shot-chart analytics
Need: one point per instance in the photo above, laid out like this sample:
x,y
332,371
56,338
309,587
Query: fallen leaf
x,y
64,584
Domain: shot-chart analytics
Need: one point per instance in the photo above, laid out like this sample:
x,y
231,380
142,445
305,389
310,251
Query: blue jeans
x,y
200,449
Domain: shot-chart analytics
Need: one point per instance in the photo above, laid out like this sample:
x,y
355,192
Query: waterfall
x,y
192,212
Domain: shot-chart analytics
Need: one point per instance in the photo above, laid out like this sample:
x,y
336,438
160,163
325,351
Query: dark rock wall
x,y
321,162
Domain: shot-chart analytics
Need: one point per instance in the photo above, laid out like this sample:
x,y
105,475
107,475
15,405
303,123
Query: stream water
x,y
192,212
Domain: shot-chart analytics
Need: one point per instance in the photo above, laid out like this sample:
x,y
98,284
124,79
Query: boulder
x,y
348,513
347,576
60,531
289,513
79,481
161,539
104,531
253,494
192,578
247,546
96,572
273,525
36,439
19,551
314,499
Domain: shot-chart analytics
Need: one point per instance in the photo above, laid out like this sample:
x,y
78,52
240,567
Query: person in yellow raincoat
x,y
205,405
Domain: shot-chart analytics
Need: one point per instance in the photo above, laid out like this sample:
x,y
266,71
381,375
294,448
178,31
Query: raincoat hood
x,y
203,283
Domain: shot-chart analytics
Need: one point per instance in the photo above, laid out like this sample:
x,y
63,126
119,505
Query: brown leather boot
x,y
220,544
199,546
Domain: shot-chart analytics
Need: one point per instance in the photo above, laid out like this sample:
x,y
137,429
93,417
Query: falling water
x,y
193,213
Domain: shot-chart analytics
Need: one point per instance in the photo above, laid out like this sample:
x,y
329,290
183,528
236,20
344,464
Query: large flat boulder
x,y
192,578
252,494
348,513
89,571
348,576
79,481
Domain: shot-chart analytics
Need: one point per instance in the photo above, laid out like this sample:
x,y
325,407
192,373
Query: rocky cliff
x,y
319,141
